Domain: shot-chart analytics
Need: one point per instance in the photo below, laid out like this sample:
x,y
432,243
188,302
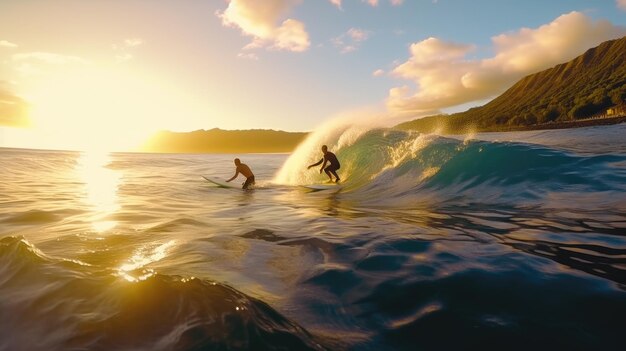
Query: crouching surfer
x,y
329,157
245,170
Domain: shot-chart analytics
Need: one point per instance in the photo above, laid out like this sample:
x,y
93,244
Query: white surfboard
x,y
221,183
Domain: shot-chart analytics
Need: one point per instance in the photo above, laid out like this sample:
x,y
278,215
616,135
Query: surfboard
x,y
323,186
221,183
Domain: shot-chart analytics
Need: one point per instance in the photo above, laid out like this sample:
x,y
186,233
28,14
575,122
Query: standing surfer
x,y
332,168
245,170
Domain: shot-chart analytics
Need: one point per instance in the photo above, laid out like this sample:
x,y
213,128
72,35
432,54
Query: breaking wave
x,y
391,165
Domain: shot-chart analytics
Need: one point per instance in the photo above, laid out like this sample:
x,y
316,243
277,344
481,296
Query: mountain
x,y
591,85
224,141
567,95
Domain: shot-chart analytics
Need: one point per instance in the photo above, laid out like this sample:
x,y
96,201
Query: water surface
x,y
506,241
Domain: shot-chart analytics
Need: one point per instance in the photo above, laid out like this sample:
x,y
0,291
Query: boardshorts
x,y
249,181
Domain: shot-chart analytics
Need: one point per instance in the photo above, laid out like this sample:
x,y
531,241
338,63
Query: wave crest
x,y
386,163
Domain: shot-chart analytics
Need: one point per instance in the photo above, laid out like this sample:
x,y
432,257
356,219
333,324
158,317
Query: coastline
x,y
546,126
573,124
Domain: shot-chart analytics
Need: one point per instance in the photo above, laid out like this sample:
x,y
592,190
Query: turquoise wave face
x,y
393,165
528,169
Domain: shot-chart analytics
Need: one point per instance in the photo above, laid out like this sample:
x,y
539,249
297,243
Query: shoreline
x,y
546,126
565,125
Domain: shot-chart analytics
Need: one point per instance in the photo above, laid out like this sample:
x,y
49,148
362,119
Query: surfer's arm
x,y
324,165
315,164
235,176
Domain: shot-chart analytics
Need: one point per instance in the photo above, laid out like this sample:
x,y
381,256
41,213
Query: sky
x,y
95,74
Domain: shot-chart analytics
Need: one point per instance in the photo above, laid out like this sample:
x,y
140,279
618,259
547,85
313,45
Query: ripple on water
x,y
83,307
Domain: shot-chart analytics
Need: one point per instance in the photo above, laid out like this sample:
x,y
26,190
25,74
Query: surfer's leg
x,y
333,170
328,170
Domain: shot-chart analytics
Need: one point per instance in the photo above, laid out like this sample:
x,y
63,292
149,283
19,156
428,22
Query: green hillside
x,y
560,97
583,88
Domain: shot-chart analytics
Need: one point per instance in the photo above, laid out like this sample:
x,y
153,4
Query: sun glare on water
x,y
135,270
101,186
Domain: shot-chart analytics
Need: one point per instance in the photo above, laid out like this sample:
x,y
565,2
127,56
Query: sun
x,y
97,109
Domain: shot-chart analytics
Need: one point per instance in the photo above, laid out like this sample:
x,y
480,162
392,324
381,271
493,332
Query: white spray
x,y
337,133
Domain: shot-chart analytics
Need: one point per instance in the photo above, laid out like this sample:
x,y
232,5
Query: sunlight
x,y
141,258
100,109
101,186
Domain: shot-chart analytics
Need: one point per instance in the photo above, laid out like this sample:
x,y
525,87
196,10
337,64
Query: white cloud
x,y
358,34
37,63
7,44
351,40
445,77
248,56
49,58
125,48
132,42
373,3
378,73
292,36
621,4
262,21
336,3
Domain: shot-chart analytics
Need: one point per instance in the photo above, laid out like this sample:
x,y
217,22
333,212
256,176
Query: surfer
x,y
332,168
245,170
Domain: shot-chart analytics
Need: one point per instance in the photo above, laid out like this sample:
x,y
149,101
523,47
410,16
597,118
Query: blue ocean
x,y
493,241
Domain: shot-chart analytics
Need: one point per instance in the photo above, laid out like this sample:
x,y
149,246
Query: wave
x,y
390,164
56,304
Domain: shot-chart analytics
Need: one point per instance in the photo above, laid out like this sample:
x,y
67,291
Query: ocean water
x,y
510,241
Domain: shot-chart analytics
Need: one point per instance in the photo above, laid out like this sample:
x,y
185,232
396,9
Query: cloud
x,y
13,110
444,76
49,58
350,40
358,34
373,3
378,73
248,56
262,21
132,42
7,44
336,3
124,50
36,63
292,36
621,4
